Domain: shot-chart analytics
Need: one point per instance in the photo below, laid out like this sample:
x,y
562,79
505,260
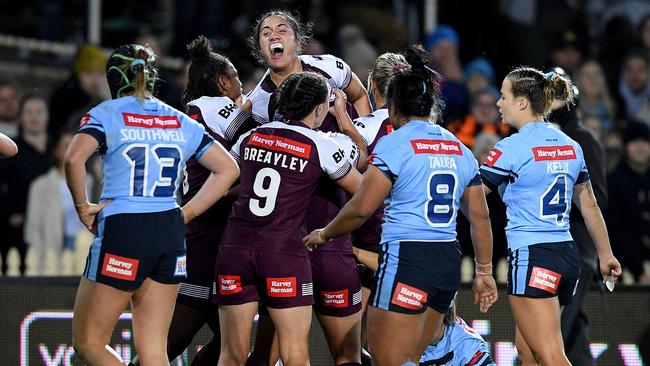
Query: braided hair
x,y
131,70
302,31
299,94
206,66
415,87
540,89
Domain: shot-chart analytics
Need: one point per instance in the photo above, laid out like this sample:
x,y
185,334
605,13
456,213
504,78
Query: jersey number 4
x,y
441,204
166,157
553,202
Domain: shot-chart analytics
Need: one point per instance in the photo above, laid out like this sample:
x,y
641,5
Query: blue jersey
x,y
429,169
534,171
145,145
460,346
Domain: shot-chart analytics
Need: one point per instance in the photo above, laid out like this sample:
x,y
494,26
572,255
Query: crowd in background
x,y
603,46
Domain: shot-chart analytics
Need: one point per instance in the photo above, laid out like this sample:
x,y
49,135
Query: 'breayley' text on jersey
x,y
276,150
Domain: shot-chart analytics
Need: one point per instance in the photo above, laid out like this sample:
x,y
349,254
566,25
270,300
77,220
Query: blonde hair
x,y
540,89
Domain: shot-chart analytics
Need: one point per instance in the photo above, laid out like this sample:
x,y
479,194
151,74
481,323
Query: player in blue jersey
x,y
138,255
454,343
425,174
538,172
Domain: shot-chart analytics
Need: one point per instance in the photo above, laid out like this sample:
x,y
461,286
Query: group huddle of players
x,y
325,203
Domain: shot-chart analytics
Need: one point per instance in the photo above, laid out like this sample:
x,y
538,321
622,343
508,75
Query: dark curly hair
x,y
540,89
299,94
415,87
303,32
206,66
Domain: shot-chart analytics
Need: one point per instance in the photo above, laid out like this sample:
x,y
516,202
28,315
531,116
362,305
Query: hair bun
x,y
199,49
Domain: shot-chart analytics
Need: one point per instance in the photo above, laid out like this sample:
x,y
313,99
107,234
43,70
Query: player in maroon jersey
x,y
213,97
261,257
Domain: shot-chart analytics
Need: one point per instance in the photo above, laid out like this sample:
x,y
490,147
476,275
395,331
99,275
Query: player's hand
x,y
88,214
314,239
610,268
485,292
340,103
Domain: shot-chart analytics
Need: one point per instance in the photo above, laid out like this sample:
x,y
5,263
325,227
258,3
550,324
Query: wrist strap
x,y
481,269
321,235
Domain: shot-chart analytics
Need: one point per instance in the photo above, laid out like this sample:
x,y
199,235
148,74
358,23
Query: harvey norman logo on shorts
x,y
423,146
336,299
409,297
149,121
281,144
544,153
544,279
118,267
229,285
281,286
181,267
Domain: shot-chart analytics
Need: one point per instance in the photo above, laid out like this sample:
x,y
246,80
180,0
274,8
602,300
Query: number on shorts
x,y
553,202
269,193
167,158
441,205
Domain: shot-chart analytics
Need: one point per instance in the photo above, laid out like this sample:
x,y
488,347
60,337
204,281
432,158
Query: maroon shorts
x,y
202,246
279,280
337,287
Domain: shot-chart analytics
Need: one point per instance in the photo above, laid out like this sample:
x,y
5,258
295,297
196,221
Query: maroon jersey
x,y
329,198
281,164
225,122
372,128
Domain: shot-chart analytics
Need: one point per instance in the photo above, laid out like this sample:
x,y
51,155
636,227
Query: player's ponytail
x,y
299,94
415,87
540,89
131,71
205,68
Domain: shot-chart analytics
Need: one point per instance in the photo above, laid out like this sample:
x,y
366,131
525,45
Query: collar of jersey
x,y
532,125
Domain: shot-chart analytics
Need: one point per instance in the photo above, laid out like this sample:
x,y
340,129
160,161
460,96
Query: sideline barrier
x,y
36,314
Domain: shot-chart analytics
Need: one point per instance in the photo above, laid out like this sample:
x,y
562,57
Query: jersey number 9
x,y
269,192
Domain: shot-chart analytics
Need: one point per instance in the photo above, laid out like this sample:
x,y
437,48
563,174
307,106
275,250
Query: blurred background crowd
x,y
51,74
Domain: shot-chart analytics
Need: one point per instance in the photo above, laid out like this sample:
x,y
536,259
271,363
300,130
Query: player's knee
x,y
83,347
232,356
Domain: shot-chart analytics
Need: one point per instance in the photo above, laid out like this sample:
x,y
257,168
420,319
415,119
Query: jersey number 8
x,y
440,207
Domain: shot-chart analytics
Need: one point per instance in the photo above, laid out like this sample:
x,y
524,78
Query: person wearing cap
x,y
479,74
85,88
566,51
629,207
443,44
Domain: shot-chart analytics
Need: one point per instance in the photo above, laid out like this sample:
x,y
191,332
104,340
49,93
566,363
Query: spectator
x,y
479,74
566,51
634,86
484,117
357,51
51,222
85,88
443,44
21,170
644,32
629,196
595,98
8,109
594,125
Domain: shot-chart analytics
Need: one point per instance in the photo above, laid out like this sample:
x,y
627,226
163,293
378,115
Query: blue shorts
x,y
544,270
129,248
414,275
